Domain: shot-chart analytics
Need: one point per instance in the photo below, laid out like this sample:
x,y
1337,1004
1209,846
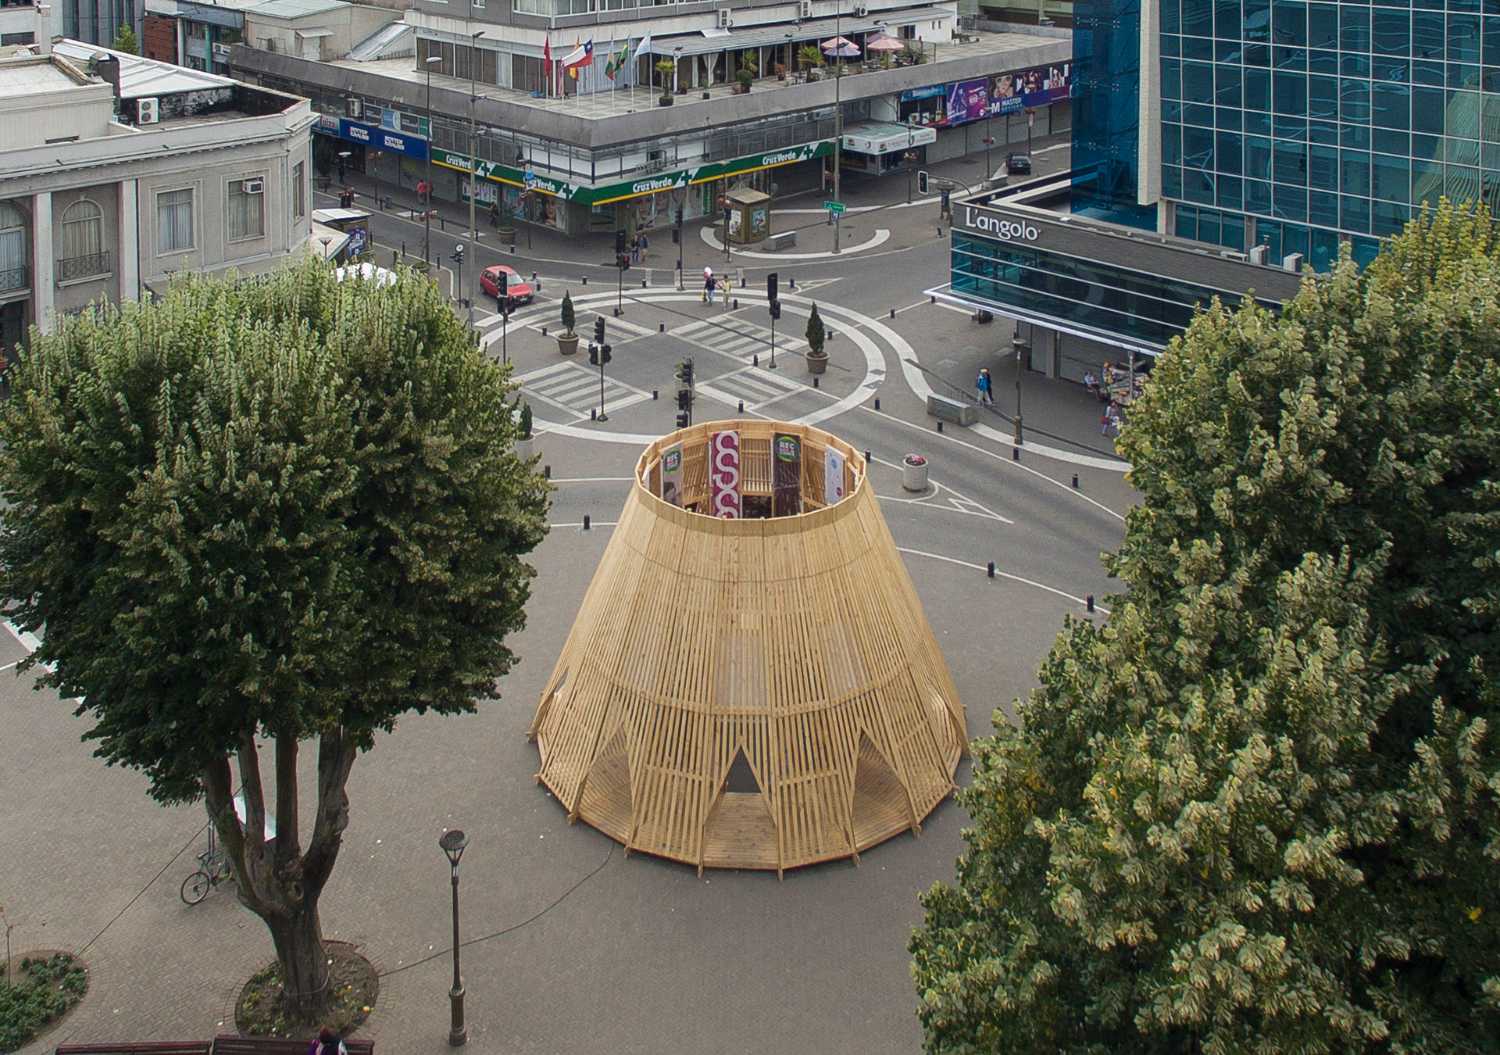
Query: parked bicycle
x,y
213,868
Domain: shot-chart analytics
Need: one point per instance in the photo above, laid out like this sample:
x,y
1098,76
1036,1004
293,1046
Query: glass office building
x,y
1107,60
1299,125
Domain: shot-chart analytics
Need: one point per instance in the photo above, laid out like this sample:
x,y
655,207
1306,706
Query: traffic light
x,y
922,182
684,420
775,309
502,283
605,354
619,242
598,329
679,216
676,235
684,373
684,399
771,278
945,206
458,253
622,261
593,354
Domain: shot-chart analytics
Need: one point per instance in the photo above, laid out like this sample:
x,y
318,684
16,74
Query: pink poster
x,y
724,474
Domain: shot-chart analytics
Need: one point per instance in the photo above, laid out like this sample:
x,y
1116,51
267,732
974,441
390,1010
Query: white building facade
x,y
117,172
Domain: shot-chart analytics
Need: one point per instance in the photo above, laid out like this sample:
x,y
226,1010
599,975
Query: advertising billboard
x,y
968,101
724,474
1037,86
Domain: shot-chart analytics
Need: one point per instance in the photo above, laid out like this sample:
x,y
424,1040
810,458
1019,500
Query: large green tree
x,y
257,513
1258,809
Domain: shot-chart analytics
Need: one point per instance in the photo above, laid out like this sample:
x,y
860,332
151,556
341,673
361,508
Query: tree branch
x,y
288,838
337,751
218,793
253,792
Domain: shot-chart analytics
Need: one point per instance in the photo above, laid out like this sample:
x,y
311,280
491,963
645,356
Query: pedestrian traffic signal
x,y
593,354
619,242
598,329
922,184
684,420
771,278
622,261
678,219
775,309
502,283
605,354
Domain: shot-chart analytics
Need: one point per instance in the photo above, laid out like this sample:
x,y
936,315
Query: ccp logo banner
x,y
724,474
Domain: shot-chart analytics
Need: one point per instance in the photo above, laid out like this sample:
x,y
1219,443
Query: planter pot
x,y
816,364
665,100
507,236
914,473
523,449
567,343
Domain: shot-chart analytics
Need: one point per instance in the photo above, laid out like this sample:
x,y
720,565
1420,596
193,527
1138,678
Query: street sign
x,y
835,207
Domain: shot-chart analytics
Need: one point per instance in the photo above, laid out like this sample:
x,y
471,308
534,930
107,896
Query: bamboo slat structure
x,y
756,692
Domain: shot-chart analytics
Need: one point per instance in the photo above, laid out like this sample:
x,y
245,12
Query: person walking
x,y
986,386
495,213
709,283
641,248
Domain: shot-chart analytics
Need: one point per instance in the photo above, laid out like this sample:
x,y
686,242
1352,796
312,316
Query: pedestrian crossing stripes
x,y
756,386
737,338
574,388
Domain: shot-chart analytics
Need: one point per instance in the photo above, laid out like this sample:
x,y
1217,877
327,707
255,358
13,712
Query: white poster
x,y
724,474
833,476
671,475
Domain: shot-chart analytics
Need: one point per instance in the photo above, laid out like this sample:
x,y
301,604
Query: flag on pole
x,y
579,57
547,64
644,47
617,61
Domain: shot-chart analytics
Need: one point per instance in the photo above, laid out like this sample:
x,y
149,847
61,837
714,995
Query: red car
x,y
516,291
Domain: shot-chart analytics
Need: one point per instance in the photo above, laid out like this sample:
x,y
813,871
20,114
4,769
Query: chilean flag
x,y
581,56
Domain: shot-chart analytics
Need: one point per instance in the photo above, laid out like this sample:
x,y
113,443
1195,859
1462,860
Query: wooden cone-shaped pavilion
x,y
751,693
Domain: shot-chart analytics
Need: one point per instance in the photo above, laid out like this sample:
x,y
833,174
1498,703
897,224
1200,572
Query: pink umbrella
x,y
841,47
885,44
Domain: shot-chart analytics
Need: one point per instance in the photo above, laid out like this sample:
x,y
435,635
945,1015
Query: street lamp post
x,y
473,142
453,843
344,156
427,210
838,112
1020,346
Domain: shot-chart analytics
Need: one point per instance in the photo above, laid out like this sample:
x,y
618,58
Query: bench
x,y
150,1047
952,410
234,1044
783,240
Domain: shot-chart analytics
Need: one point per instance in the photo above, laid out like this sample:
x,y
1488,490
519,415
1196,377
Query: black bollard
x,y
661,327
1088,603
585,280
544,331
940,426
755,359
877,402
792,282
1015,454
932,300
815,381
585,521
643,283
1075,481
653,393
991,569
403,248
742,406
593,413
736,303
547,472
868,460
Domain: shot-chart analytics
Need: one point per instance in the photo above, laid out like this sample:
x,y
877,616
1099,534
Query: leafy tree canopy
x,y
1259,809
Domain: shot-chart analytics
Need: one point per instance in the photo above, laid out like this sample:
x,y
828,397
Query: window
x,y
174,221
82,254
245,212
299,191
13,255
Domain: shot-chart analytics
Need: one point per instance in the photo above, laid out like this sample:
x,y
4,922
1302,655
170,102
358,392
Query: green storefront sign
x,y
613,192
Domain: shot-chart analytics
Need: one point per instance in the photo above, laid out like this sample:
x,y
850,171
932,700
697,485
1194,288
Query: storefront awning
x,y
884,137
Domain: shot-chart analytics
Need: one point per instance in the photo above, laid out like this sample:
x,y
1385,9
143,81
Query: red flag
x,y
547,63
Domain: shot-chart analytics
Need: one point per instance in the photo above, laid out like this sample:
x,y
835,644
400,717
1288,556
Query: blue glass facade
x,y
1106,111
1297,125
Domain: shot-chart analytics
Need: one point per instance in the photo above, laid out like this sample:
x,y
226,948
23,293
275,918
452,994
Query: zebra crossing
x,y
737,338
574,388
756,386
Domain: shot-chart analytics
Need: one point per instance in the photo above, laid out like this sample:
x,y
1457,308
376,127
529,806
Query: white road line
x,y
928,503
1001,575
8,666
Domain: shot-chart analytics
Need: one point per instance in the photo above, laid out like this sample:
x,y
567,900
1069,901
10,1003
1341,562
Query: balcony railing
x,y
14,278
76,267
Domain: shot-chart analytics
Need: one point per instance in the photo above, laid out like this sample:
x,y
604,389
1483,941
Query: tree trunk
x,y
298,938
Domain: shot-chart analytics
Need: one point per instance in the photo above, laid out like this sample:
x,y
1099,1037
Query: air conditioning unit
x,y
804,9
726,18
1260,254
860,10
253,186
355,107
1292,262
147,111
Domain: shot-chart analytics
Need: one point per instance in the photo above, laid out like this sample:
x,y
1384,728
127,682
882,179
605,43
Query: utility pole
x,y
1020,347
838,113
473,139
427,210
599,355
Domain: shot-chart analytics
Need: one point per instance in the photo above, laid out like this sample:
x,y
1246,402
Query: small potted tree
x,y
817,357
811,60
664,70
523,441
567,341
781,71
745,79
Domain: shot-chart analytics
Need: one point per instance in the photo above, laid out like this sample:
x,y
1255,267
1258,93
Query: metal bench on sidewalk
x,y
952,410
150,1047
234,1044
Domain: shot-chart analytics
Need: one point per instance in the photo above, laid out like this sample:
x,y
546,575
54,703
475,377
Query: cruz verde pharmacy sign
x,y
604,194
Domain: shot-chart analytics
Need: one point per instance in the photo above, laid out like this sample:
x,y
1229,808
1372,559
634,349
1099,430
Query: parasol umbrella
x,y
840,47
885,44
